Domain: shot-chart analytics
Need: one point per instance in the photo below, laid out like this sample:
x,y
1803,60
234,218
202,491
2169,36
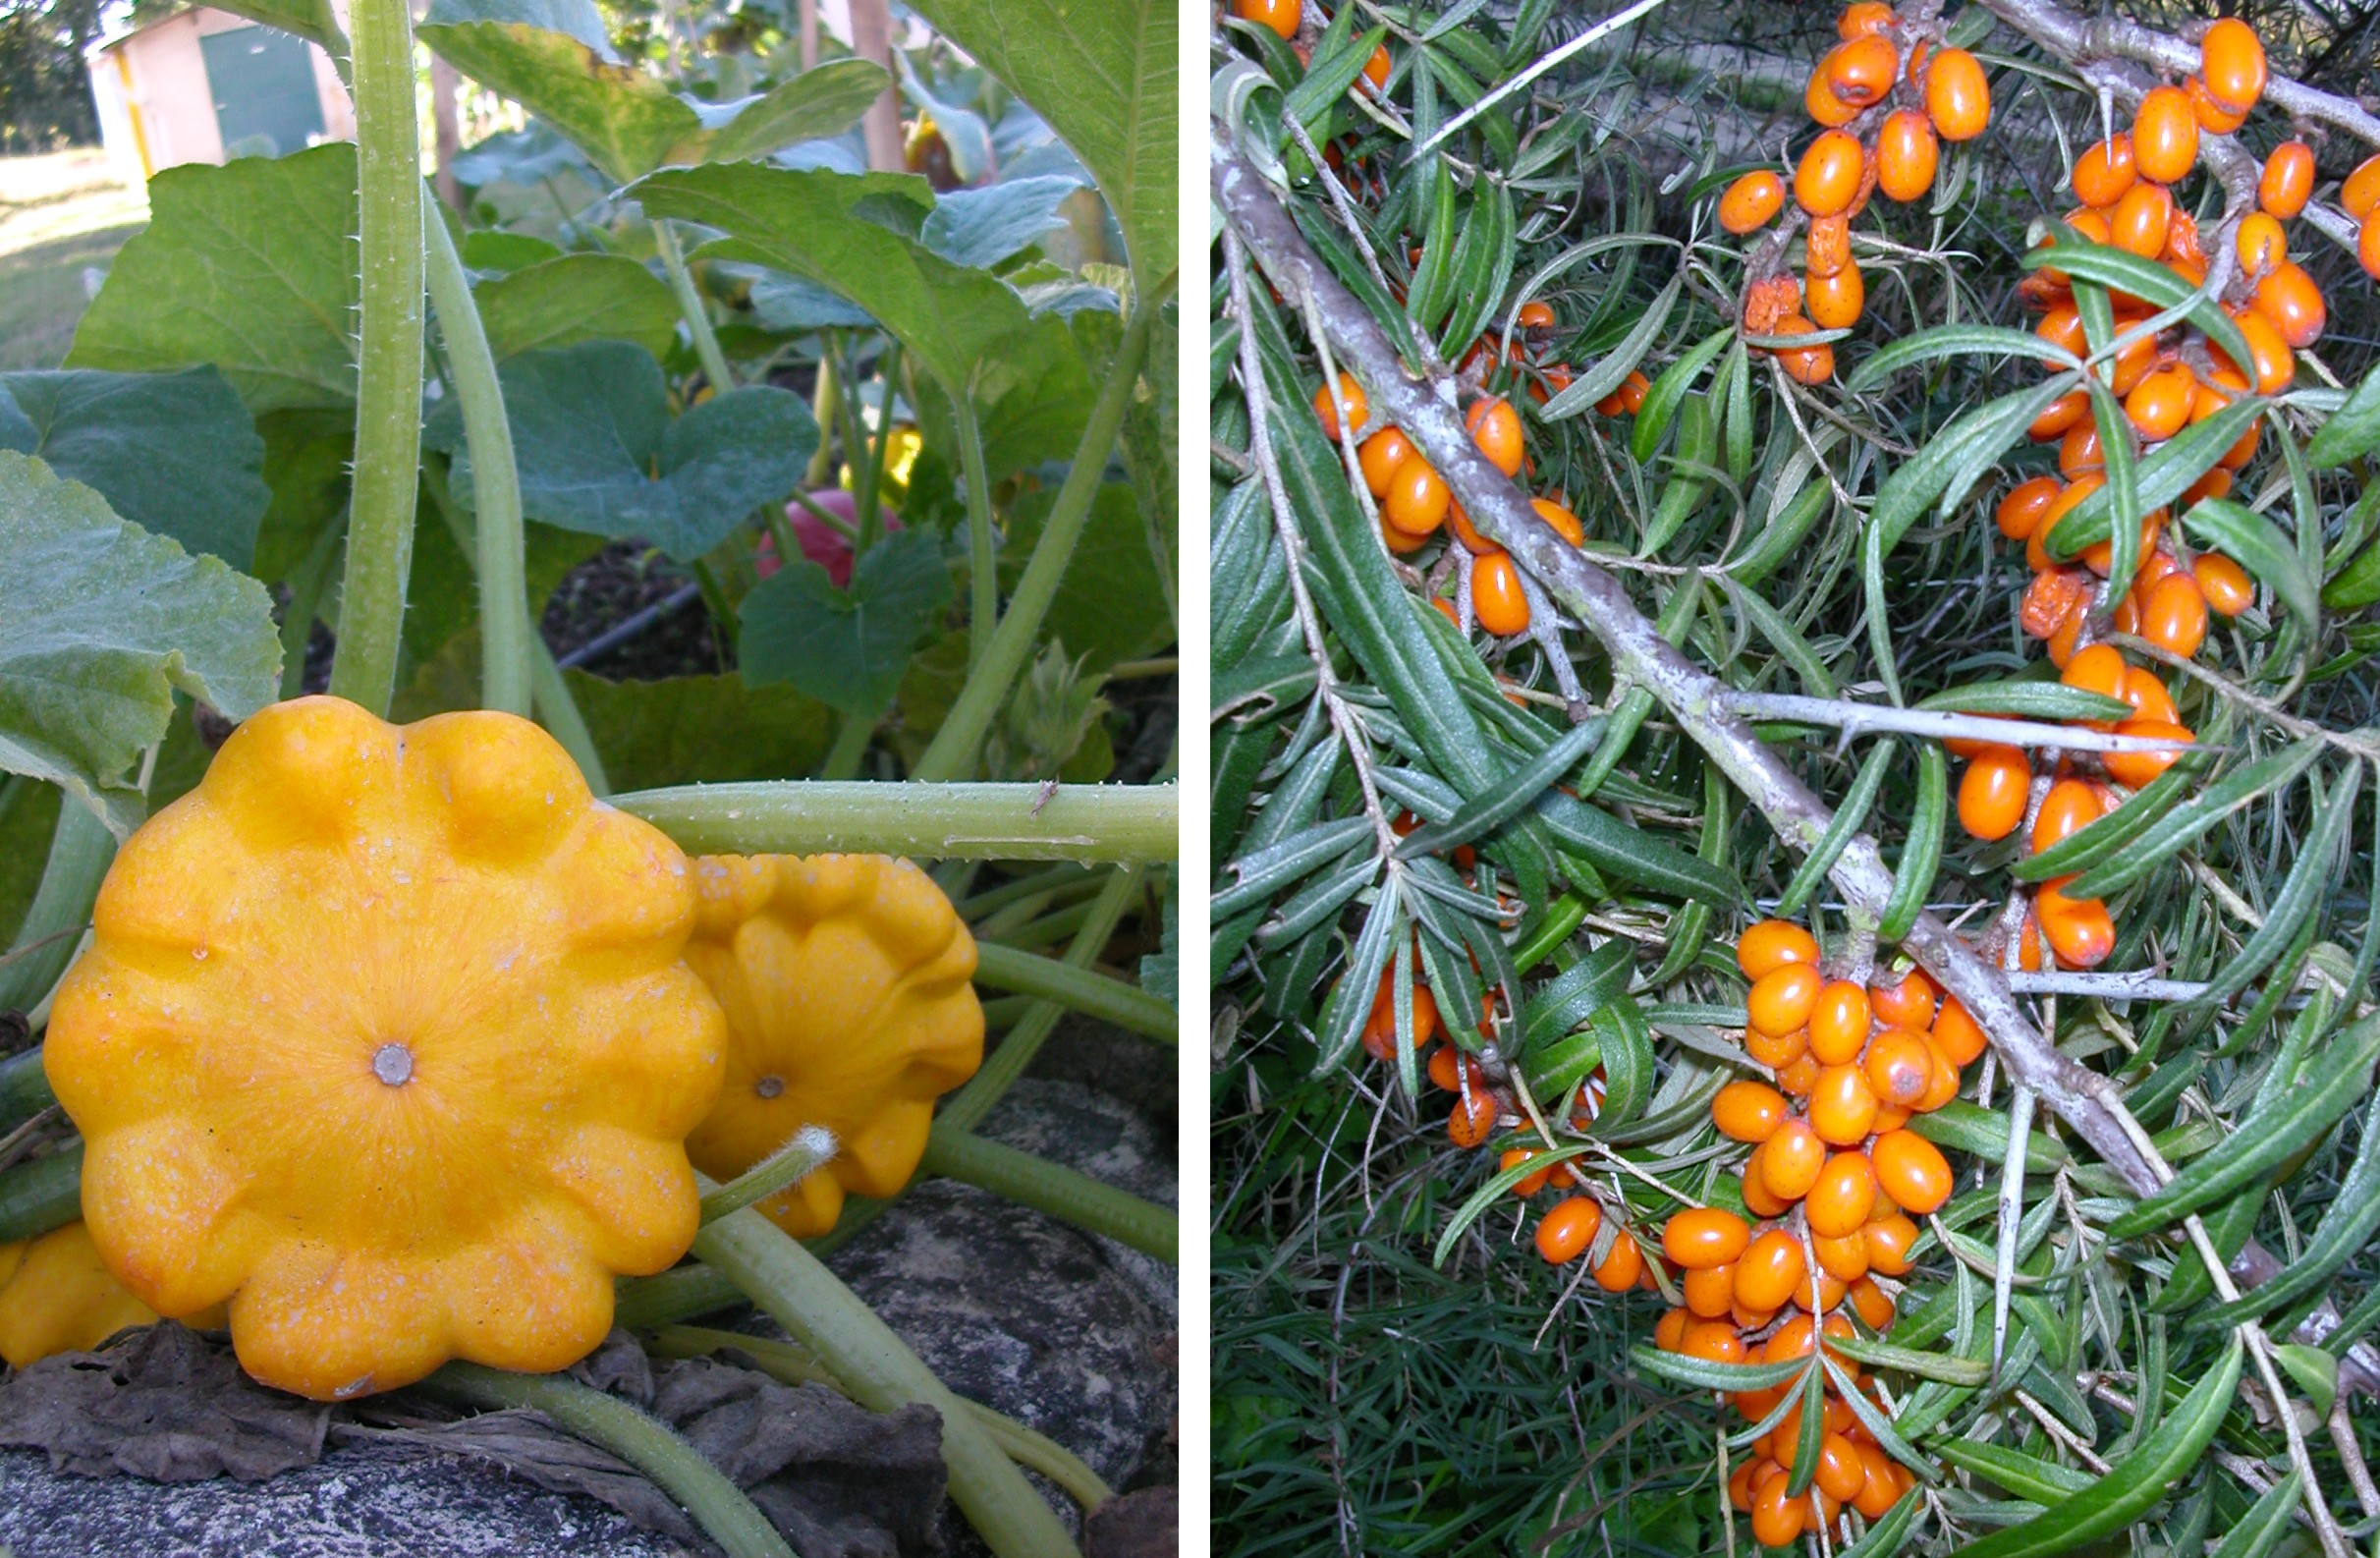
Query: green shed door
x,y
263,80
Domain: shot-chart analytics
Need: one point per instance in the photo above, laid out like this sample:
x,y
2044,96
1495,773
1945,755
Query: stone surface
x,y
365,1501
1070,1334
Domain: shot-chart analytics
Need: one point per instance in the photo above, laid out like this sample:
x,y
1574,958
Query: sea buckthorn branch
x,y
2086,1100
1854,719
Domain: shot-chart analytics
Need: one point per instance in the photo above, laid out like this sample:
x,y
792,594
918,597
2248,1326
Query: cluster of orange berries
x,y
1285,16
1885,97
1414,501
1854,1064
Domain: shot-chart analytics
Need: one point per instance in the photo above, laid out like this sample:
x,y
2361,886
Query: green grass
x,y
63,216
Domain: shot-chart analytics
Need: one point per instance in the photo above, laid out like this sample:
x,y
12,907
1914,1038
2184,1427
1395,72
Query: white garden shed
x,y
204,85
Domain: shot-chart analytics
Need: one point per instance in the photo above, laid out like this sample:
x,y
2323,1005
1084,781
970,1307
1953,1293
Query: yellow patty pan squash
x,y
846,979
56,1295
383,1036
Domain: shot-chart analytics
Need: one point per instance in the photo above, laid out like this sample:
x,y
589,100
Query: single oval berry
x,y
1900,1066
1567,1227
1350,401
1379,456
2104,171
1749,1111
1957,95
2288,181
2021,510
2289,298
2224,582
1805,364
1770,944
1751,201
1417,498
1496,428
1846,1192
2080,929
1992,792
2132,770
1497,600
2174,614
1282,15
1911,1171
1860,71
1839,1022
1836,302
1790,1160
2231,62
1770,1269
1843,1107
1827,178
1781,1000
1703,1237
2070,806
2165,134
1906,155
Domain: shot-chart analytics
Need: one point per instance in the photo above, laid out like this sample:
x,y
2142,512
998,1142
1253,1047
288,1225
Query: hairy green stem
x,y
679,1294
802,1154
80,852
698,314
305,591
882,1374
851,747
716,1504
983,567
952,753
967,1106
504,627
388,385
558,712
40,1194
1131,823
1065,1193
1078,989
794,1364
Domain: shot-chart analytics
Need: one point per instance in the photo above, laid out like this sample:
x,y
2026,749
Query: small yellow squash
x,y
56,1296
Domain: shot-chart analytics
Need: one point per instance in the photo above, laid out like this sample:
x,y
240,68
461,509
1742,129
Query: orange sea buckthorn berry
x,y
1376,69
1957,1034
2159,406
2141,220
1704,1236
1992,792
1472,1120
1956,96
2021,510
2049,598
1350,400
2059,414
1446,1068
1561,519
1496,428
1906,155
1669,1331
2174,614
1757,1198
2231,61
1379,456
1819,100
2132,770
2147,696
1497,601
2224,583
2165,134
2360,193
1907,1002
1782,999
2271,362
1842,1106
1778,1520
2098,669
1839,1022
1827,178
2287,180
1398,542
1798,1077
1622,1267
1417,498
1751,201
1863,17
1539,315
2061,327
1712,1341
1844,1258
1899,1066
2080,929
1710,1290
1567,1227
1859,71
1890,1238
2368,245
2260,242
1749,1111
1770,944
1911,1171
1528,1183
1472,541
1871,1303
2289,298
2078,452
1840,1473
1776,1050
1768,1271
2068,808
1805,364
1836,302
1825,249
1282,15
2104,171
1632,391
1846,1192
1879,1493
1791,1159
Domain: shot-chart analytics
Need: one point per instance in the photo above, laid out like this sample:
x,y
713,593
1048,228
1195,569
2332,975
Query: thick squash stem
x,y
716,1504
388,386
881,1373
42,1194
1077,989
80,852
1125,823
1065,1193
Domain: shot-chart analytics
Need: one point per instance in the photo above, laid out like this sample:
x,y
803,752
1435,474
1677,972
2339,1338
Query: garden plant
x,y
1795,893
419,1008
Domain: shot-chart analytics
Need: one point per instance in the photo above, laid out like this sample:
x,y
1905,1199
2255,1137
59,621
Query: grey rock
x,y
366,1501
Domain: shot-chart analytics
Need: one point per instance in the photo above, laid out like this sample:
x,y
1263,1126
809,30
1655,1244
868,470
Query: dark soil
x,y
609,588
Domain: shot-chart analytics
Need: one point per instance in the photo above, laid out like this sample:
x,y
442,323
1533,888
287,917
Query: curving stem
x,y
388,386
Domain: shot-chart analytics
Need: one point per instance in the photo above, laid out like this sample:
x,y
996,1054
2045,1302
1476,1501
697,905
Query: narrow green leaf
x,y
1662,400
1921,853
2252,540
2354,430
2028,1476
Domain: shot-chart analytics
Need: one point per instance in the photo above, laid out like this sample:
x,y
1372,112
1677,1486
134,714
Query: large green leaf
x,y
1104,76
104,622
701,727
598,452
250,266
174,453
1111,604
846,647
860,236
576,298
817,103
